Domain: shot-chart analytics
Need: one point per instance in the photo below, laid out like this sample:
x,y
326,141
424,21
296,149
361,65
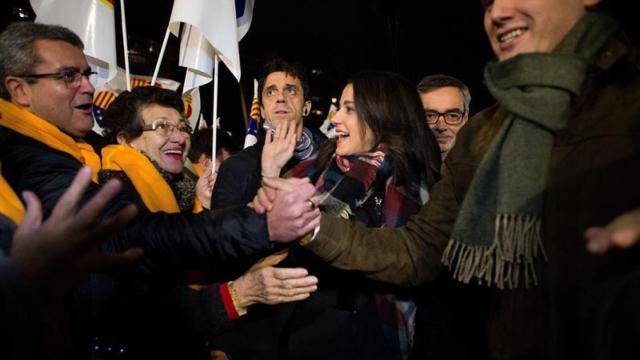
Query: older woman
x,y
377,171
149,141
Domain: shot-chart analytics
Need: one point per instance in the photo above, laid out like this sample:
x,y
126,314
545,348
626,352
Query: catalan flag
x,y
106,93
254,119
101,102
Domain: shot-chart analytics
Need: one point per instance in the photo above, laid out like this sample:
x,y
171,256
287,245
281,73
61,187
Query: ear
x,y
19,90
262,112
590,3
307,108
122,139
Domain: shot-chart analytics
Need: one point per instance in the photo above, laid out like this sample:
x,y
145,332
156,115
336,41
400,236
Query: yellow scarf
x,y
153,189
197,168
30,125
150,185
10,205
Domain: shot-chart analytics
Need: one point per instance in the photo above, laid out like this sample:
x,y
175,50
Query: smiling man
x,y
285,99
445,100
558,153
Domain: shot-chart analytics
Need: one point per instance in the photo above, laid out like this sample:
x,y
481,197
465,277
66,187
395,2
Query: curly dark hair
x,y
391,108
296,70
124,114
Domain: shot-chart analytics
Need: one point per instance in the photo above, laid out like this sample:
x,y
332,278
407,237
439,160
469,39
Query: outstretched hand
x,y
622,232
266,284
58,252
205,184
278,148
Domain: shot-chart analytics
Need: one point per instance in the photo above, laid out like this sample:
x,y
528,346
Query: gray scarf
x,y
497,234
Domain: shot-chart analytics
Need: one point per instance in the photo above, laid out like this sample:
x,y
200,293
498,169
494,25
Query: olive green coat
x,y
594,176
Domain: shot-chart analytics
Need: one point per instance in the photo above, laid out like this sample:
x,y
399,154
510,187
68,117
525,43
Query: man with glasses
x,y
445,100
46,109
557,153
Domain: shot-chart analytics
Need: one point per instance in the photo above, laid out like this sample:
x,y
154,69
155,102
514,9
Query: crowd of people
x,y
420,231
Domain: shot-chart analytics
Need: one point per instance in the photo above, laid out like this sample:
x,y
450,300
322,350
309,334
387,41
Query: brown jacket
x,y
594,176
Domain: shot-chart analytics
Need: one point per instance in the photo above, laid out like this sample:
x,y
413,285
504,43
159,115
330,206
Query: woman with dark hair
x,y
377,170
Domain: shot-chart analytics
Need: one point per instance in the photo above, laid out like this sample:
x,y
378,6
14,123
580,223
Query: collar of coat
x,y
33,126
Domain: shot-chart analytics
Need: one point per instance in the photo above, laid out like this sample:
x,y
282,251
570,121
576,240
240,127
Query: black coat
x,y
172,243
239,177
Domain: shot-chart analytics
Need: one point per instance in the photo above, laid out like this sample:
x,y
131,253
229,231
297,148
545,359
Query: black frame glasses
x,y
452,117
163,127
72,78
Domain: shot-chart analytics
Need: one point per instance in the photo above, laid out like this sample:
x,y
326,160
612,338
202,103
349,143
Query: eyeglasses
x,y
72,78
453,117
165,128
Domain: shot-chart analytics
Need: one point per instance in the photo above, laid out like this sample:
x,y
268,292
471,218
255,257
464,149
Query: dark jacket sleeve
x,y
405,256
172,242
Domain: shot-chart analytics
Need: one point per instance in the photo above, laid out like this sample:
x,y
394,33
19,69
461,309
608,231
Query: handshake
x,y
290,205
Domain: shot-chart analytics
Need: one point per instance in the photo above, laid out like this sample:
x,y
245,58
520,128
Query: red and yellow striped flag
x,y
104,98
255,110
109,3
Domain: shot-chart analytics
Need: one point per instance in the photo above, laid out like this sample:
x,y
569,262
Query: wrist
x,y
270,172
239,304
310,236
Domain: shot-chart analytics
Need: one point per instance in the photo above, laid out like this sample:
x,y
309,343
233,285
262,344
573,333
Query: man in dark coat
x,y
284,98
557,154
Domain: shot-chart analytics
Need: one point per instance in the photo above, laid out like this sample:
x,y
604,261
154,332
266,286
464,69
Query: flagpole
x,y
243,104
126,44
214,123
157,69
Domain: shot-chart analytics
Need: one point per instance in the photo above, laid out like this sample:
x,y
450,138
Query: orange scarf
x,y
30,125
197,168
153,189
150,185
10,205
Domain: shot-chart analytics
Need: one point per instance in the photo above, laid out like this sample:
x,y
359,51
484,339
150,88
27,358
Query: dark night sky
x,y
333,39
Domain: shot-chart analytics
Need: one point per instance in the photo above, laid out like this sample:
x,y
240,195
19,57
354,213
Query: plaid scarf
x,y
347,184
497,234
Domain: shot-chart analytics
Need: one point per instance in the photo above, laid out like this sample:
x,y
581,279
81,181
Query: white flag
x,y
327,127
93,21
244,12
210,29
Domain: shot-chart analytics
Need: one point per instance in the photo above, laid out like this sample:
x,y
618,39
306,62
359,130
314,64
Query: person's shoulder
x,y
488,119
476,135
243,158
22,148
